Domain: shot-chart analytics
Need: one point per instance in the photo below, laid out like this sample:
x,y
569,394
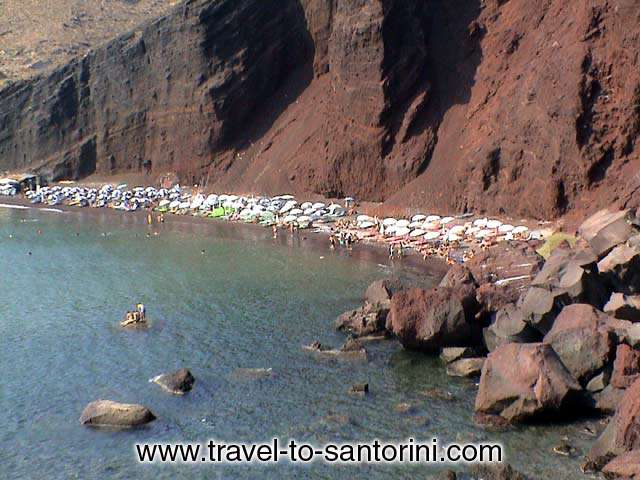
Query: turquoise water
x,y
220,297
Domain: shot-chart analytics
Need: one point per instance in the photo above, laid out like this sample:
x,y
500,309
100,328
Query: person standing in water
x,y
141,310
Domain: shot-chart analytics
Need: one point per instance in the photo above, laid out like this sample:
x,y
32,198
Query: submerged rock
x,y
502,471
253,373
106,413
359,389
466,367
523,381
351,350
178,382
451,354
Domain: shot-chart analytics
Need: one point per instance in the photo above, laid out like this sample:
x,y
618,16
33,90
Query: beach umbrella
x,y
431,236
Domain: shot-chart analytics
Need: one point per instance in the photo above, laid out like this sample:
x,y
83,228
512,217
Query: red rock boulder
x,y
626,368
523,381
622,434
625,466
429,320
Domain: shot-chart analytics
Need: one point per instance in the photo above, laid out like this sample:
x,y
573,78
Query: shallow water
x,y
246,302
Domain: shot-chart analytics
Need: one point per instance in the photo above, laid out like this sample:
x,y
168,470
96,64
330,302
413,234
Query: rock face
x,y
178,382
540,384
394,100
106,413
623,431
431,319
582,340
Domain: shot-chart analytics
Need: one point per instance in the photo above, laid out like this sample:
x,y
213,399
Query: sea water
x,y
220,298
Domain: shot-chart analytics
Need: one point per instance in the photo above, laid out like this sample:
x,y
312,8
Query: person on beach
x,y
274,229
149,219
332,241
391,251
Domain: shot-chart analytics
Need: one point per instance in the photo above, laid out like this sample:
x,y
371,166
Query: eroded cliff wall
x,y
527,108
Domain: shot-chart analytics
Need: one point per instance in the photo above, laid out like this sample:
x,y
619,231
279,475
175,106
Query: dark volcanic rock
x,y
606,229
523,381
509,326
366,320
541,306
431,319
621,268
623,431
381,291
106,413
582,340
626,367
623,307
178,382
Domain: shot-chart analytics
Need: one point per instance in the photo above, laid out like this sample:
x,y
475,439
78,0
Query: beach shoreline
x,y
374,252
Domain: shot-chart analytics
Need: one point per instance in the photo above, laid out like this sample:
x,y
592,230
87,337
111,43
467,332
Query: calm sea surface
x,y
220,298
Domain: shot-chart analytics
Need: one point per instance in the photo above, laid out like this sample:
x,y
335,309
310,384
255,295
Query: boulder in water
x,y
178,382
381,291
107,413
466,367
369,319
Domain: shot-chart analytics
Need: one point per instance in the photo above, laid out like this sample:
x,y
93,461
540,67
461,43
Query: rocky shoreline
x,y
564,347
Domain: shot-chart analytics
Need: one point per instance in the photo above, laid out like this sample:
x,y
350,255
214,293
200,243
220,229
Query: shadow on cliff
x,y
276,50
453,56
